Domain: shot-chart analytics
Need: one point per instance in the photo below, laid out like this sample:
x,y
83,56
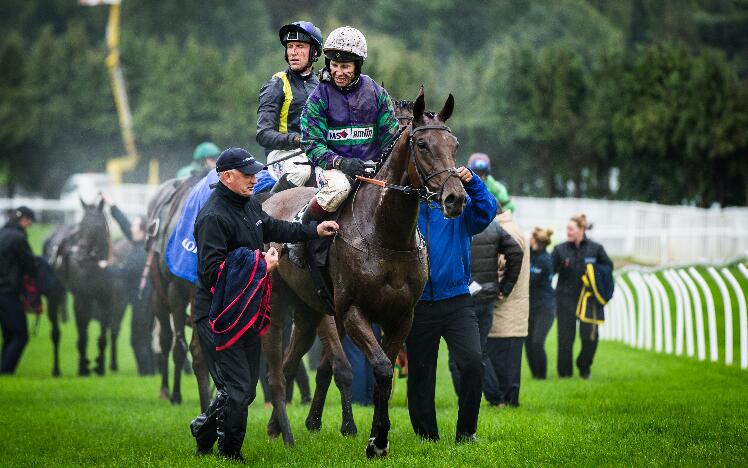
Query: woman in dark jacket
x,y
570,260
542,302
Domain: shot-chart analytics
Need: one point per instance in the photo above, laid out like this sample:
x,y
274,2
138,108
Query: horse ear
x,y
449,107
101,205
419,106
83,204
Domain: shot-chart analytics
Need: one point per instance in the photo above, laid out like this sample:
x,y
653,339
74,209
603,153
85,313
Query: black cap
x,y
22,211
240,159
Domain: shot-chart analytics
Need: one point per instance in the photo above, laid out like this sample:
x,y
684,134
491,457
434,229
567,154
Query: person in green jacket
x,y
480,163
203,160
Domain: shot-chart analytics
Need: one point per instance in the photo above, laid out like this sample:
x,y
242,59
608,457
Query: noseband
x,y
429,195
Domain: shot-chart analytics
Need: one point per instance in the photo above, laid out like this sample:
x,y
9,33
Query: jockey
x,y
281,99
347,120
203,160
480,163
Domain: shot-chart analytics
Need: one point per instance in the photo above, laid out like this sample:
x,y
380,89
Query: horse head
x,y
92,236
433,148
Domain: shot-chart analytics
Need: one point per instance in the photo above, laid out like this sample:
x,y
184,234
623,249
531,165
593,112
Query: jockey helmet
x,y
345,44
206,150
303,31
479,162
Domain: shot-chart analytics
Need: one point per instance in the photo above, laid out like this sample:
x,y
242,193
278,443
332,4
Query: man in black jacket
x,y
484,266
281,100
232,218
16,260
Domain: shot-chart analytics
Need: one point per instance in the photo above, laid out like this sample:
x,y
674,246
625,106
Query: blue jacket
x,y
449,241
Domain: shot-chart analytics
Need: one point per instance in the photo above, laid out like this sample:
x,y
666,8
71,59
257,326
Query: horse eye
x,y
421,144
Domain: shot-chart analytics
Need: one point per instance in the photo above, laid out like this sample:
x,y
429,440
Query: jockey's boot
x,y
282,184
313,212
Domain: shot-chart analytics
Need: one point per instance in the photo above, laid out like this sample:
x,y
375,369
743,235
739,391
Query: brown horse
x,y
377,269
169,295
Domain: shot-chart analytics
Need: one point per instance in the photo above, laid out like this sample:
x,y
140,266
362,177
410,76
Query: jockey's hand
x,y
271,258
327,228
296,140
464,174
351,166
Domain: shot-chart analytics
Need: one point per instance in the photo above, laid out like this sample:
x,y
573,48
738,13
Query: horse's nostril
x,y
450,200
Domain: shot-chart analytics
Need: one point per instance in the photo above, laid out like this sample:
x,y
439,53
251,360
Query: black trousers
x,y
141,335
239,369
540,323
484,313
15,332
205,427
455,320
567,328
506,359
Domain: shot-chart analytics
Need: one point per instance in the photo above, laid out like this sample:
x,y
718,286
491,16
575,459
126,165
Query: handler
x,y
446,310
232,218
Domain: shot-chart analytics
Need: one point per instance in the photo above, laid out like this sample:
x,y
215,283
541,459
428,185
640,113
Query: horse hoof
x,y
373,451
99,371
349,429
176,399
165,394
84,372
273,430
313,424
56,373
113,368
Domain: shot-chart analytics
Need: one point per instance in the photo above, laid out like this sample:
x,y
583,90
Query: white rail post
x,y
698,315
679,314
710,314
727,306
644,309
742,313
667,320
629,335
650,279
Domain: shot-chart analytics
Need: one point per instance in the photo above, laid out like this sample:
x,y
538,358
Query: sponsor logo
x,y
350,133
259,221
189,245
590,259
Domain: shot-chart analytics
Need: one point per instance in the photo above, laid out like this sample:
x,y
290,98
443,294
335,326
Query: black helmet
x,y
303,31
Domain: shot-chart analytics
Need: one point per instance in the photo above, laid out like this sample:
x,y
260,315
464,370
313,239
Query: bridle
x,y
426,194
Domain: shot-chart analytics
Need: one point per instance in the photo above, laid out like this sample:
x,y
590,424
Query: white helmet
x,y
348,40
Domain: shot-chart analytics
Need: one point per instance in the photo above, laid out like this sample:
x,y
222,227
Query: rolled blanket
x,y
241,298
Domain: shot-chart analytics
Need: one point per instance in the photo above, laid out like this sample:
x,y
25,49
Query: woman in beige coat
x,y
509,328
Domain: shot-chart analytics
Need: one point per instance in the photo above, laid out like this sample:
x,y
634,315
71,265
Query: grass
x,y
639,408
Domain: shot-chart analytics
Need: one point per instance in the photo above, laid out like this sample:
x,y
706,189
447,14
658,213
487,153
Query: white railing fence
x,y
646,232
688,310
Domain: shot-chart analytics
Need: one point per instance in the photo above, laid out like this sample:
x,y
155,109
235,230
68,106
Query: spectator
x,y
570,261
16,260
509,327
542,302
130,273
480,163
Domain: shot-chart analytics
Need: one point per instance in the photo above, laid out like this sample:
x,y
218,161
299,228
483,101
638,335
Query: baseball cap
x,y
22,211
239,159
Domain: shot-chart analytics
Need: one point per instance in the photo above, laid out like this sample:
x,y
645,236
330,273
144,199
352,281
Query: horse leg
x,y
272,348
101,358
359,330
324,377
118,311
81,323
330,335
200,368
53,310
300,341
165,338
179,317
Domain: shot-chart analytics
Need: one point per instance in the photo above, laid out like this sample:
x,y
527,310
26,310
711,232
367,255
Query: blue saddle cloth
x,y
241,298
181,249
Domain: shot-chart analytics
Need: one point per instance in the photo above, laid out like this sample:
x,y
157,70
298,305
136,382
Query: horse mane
x,y
404,105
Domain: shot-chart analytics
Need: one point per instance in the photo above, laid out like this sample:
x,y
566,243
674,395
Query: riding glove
x,y
350,166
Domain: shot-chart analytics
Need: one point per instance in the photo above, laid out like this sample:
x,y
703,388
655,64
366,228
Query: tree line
x,y
636,99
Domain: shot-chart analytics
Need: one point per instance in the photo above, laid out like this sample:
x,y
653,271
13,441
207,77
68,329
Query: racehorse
x,y
75,253
169,295
377,270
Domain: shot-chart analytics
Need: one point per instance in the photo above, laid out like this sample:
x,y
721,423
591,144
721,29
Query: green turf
x,y
639,408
